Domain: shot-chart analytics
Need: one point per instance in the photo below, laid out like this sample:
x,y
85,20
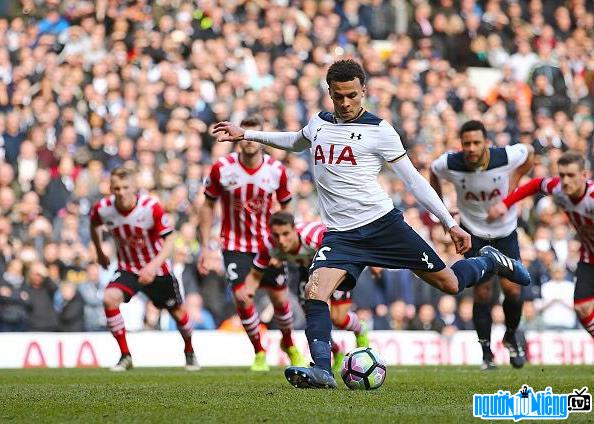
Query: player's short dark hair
x,y
345,70
124,171
251,122
570,157
281,218
473,126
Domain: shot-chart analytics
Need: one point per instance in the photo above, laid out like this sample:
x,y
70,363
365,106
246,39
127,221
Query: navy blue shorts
x,y
387,242
507,245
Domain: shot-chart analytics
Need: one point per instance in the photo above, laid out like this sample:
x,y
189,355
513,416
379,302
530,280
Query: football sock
x,y
184,326
513,312
472,271
115,323
251,323
317,330
283,317
351,323
481,317
334,347
588,323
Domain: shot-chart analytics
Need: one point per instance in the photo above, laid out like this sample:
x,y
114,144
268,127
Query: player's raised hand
x,y
461,239
226,131
496,211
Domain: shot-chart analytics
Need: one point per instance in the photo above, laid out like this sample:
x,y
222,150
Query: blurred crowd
x,y
89,85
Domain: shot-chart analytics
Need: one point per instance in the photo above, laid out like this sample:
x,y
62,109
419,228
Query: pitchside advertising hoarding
x,y
218,348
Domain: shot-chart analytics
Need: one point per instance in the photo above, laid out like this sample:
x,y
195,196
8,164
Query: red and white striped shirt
x,y
580,211
138,233
246,200
310,234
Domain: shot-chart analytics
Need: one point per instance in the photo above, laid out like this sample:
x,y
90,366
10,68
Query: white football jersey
x,y
347,158
478,190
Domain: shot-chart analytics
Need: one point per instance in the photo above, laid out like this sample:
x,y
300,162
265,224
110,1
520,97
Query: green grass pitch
x,y
411,394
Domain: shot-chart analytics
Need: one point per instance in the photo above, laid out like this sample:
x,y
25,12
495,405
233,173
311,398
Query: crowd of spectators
x,y
88,85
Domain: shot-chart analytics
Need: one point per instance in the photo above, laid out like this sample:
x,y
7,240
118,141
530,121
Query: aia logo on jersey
x,y
482,196
332,157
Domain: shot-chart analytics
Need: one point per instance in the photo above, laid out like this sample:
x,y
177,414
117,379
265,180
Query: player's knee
x,y
112,298
583,310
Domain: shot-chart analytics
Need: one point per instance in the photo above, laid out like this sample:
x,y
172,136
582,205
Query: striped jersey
x,y
310,234
580,213
138,233
247,196
479,189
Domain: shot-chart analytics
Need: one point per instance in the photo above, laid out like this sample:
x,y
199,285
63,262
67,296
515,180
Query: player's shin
x,y
115,324
283,316
318,329
588,323
250,319
472,271
184,326
512,308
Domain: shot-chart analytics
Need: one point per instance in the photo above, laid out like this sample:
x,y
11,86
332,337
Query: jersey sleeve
x,y
309,131
516,155
440,166
283,194
212,184
312,236
162,225
95,216
389,145
261,260
548,184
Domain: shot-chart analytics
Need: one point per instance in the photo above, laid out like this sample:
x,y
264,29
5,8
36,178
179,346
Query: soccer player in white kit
x,y
482,176
573,192
349,148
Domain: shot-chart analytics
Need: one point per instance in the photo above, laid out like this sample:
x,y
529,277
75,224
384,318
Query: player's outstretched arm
x,y
429,199
500,209
292,141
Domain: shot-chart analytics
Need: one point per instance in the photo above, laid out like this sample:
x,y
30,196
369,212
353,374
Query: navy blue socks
x,y
472,271
318,330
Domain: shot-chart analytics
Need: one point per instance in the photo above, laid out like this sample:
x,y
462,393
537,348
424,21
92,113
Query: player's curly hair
x,y
473,126
345,70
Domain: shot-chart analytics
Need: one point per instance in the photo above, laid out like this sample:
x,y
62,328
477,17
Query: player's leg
x,y
344,318
583,296
512,308
165,294
322,283
237,266
120,290
283,316
184,326
481,317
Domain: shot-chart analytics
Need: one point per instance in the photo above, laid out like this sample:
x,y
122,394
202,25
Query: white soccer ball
x,y
363,369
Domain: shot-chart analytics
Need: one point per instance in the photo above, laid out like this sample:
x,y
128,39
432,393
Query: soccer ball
x,y
363,368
